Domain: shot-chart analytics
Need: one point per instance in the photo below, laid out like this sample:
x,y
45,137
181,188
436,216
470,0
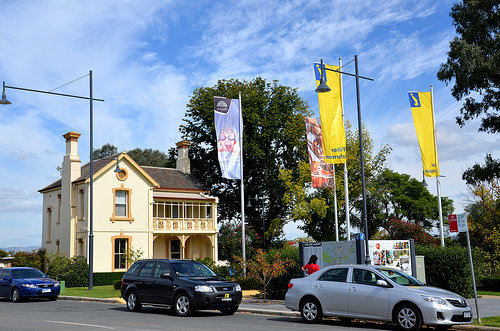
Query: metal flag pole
x,y
346,182
242,192
441,231
335,205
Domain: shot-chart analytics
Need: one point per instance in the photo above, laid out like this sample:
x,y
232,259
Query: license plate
x,y
227,299
45,290
467,314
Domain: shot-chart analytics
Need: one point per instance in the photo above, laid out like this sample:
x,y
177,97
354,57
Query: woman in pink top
x,y
311,267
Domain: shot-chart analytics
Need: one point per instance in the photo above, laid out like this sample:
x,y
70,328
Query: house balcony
x,y
191,225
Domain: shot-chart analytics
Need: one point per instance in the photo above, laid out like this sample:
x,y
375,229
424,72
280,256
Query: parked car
x,y
375,293
19,283
183,285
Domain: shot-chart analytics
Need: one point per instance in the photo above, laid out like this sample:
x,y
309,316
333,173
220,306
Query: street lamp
x,y
249,205
4,101
322,88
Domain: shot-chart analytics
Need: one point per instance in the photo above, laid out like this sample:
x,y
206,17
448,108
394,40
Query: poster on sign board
x,y
391,253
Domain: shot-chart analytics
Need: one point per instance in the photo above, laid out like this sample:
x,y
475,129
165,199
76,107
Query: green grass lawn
x,y
106,291
489,321
487,293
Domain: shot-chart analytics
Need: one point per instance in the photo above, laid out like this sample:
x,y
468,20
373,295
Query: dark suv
x,y
184,285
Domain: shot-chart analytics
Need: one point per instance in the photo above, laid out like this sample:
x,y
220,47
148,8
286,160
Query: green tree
x,y
230,238
398,196
152,158
484,218
273,139
143,157
473,62
478,174
106,150
314,208
3,253
398,230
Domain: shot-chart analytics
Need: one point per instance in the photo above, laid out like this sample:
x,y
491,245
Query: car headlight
x,y
437,300
237,288
57,284
29,285
203,288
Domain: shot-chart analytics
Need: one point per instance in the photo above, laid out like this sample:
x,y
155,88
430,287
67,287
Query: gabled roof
x,y
163,178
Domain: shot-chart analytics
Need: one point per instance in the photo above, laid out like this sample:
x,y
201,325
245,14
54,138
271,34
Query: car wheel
x,y
182,305
408,318
229,311
15,296
133,303
310,310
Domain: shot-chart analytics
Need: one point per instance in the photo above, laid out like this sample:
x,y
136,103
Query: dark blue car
x,y
21,282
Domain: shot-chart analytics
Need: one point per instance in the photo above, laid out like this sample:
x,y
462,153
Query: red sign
x,y
452,219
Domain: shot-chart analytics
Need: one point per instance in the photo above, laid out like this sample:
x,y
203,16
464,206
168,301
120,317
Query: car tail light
x,y
290,285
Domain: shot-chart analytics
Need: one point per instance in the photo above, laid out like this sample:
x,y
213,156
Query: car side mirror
x,y
167,274
382,283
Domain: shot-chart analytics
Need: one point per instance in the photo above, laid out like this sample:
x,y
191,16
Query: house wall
x,y
135,227
51,233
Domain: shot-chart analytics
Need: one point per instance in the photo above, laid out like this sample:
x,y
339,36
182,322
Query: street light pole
x,y
323,87
4,101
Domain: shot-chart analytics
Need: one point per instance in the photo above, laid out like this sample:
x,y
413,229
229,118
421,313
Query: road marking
x,y
81,324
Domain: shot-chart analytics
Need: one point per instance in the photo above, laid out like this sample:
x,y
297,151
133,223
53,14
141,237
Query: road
x,y
74,315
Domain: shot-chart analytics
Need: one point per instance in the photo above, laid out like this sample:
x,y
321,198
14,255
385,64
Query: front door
x,y
365,297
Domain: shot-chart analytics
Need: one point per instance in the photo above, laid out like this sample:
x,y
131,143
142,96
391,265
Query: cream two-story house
x,y
161,212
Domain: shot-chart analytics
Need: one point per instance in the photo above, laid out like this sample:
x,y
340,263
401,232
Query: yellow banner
x,y
330,111
423,117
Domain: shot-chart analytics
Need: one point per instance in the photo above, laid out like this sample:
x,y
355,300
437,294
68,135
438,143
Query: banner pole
x,y
243,244
440,216
346,181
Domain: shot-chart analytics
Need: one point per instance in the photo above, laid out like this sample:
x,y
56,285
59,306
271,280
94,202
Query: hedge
x,y
448,268
107,278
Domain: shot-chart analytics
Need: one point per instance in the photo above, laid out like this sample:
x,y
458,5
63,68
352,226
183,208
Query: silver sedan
x,y
375,293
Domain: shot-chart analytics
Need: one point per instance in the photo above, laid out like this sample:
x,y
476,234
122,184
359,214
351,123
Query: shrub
x,y
490,284
107,278
117,284
448,268
278,286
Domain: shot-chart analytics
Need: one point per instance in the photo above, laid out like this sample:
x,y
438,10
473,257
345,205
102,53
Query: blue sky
x,y
147,57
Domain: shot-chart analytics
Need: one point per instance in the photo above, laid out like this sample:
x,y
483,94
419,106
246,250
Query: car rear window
x,y
134,269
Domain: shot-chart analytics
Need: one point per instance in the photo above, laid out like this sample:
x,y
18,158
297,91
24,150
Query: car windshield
x,y
400,277
192,270
28,273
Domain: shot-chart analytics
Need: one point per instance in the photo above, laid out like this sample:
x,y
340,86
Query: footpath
x,y
252,303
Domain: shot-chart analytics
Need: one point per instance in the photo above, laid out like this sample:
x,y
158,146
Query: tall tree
x,y
398,196
273,139
106,150
314,208
484,217
143,157
152,158
473,61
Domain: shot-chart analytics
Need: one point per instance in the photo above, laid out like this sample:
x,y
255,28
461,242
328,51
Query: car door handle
x,y
319,285
352,289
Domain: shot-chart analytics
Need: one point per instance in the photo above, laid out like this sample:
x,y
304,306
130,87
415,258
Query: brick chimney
x,y
183,164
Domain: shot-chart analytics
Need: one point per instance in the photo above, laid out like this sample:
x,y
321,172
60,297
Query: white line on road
x,y
81,324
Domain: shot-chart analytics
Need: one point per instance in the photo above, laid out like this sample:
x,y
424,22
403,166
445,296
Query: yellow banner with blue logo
x,y
330,111
423,117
